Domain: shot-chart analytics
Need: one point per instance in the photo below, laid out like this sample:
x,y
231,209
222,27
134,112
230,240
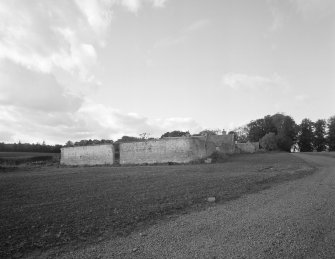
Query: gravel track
x,y
295,219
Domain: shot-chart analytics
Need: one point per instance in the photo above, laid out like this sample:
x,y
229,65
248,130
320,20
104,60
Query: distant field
x,y
15,158
64,207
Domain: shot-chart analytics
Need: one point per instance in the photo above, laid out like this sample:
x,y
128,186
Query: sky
x,y
102,69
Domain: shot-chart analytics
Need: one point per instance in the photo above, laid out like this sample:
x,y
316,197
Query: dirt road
x,y
295,219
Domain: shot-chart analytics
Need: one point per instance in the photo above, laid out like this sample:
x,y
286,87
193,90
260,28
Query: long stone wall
x,y
177,150
88,155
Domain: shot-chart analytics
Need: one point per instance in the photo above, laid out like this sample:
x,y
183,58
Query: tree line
x,y
280,132
28,147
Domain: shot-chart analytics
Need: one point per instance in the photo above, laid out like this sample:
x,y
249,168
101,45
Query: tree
x,y
82,142
331,133
175,133
235,134
256,130
283,126
28,147
242,134
320,135
128,139
306,136
269,125
69,144
286,133
269,141
85,142
210,132
284,143
96,142
106,141
288,128
277,121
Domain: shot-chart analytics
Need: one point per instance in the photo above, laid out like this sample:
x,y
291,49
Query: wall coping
x,y
96,145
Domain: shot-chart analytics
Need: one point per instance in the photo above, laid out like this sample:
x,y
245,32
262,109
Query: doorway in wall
x,y
116,153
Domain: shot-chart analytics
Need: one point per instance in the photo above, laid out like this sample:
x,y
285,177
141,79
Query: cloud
x,y
183,35
100,12
314,9
309,10
238,81
22,87
198,25
170,41
91,120
301,97
5,136
46,36
258,94
120,123
135,5
48,54
278,18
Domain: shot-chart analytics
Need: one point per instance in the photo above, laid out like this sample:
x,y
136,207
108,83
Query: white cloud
x,y
309,10
159,3
34,107
25,88
46,50
132,5
170,41
76,57
183,35
91,121
98,13
46,36
6,136
314,9
119,123
301,97
135,5
278,19
198,25
239,81
177,123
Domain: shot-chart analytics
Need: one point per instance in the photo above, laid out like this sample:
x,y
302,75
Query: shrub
x,y
218,157
269,141
284,143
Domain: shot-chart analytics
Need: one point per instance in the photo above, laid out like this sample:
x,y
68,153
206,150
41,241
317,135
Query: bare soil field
x,y
64,208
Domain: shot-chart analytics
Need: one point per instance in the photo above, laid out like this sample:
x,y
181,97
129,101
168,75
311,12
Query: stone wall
x,y
224,143
177,150
249,147
88,155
